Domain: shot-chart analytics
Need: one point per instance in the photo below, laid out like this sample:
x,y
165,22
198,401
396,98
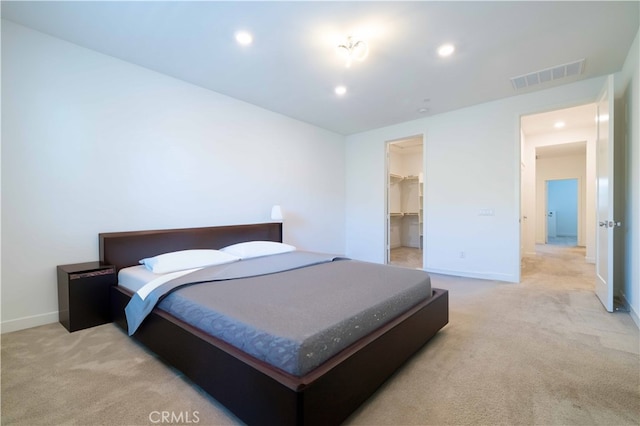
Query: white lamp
x,y
276,213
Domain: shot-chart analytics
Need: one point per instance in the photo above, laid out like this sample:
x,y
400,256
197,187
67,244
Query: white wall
x,y
93,144
628,85
396,163
527,197
472,163
412,163
405,163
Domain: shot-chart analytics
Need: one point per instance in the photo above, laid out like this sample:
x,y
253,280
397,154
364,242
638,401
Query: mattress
x,y
135,277
297,319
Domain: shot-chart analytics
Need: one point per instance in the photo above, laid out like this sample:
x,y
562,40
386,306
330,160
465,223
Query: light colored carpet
x,y
541,352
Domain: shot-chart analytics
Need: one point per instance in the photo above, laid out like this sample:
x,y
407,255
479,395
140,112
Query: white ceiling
x,y
561,150
578,117
292,67
412,145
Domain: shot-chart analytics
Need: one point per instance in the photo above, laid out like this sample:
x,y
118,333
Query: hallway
x,y
563,241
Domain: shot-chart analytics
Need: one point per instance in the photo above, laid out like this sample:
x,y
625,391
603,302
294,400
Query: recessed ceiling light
x,y
244,38
340,90
446,50
423,110
559,124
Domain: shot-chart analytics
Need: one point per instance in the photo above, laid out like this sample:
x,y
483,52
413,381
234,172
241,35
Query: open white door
x,y
605,215
387,208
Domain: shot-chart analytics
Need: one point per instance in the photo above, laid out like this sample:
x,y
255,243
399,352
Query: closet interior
x,y
405,202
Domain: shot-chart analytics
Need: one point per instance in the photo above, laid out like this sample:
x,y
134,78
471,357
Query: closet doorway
x,y
405,202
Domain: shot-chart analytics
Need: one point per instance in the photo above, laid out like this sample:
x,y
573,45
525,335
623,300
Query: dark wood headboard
x,y
124,249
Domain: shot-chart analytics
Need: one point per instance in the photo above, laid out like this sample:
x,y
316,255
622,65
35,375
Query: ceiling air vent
x,y
548,74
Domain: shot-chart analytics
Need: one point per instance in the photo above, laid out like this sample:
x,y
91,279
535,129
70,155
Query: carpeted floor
x,y
542,352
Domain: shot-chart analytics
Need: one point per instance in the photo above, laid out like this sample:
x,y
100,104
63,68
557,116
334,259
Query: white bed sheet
x,y
134,278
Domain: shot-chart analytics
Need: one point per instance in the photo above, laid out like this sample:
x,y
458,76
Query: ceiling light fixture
x,y
559,124
446,50
340,90
352,50
244,38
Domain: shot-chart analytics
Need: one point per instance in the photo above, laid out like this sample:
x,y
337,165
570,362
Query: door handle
x,y
609,224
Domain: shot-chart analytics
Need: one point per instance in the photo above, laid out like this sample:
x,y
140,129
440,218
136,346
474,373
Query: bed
x,y
251,388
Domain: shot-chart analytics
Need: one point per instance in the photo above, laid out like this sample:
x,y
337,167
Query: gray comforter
x,y
137,309
294,310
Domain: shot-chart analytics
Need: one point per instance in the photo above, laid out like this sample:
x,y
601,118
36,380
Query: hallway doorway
x,y
562,212
558,146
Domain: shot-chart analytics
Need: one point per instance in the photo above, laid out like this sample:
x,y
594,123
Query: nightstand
x,y
84,294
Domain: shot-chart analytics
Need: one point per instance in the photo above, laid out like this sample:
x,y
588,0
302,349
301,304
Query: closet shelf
x,y
399,178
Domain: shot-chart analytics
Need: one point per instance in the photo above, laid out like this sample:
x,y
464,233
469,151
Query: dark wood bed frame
x,y
253,390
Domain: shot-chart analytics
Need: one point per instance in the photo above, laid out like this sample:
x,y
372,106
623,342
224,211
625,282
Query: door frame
x,y
387,213
606,214
528,211
580,205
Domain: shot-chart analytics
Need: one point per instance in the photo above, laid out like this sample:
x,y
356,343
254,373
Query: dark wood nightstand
x,y
84,294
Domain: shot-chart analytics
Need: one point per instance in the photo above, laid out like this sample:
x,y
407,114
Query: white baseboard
x,y
590,259
632,312
471,274
28,322
635,317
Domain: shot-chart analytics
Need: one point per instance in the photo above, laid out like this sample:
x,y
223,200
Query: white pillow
x,y
186,259
257,248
